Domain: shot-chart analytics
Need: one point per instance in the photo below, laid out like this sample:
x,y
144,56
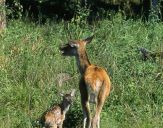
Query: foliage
x,y
14,8
30,62
67,9
36,8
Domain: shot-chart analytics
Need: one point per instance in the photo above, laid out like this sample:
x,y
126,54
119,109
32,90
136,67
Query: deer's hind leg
x,y
96,119
60,126
54,126
99,105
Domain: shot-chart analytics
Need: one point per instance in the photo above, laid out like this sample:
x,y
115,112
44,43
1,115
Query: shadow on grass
x,y
73,120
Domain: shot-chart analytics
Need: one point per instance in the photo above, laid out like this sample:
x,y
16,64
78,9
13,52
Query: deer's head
x,y
73,47
68,98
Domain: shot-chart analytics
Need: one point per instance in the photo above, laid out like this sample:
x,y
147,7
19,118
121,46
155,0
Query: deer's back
x,y
53,116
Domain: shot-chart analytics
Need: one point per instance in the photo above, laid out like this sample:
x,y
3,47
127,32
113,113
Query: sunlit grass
x,y
30,65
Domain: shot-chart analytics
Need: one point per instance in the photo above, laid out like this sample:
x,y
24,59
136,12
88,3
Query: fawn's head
x,y
73,47
68,98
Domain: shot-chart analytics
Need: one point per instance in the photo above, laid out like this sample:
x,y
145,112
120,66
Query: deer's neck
x,y
64,107
82,60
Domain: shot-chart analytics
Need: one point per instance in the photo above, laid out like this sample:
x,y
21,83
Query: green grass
x,y
30,63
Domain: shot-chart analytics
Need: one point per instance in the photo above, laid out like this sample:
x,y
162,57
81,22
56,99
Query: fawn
x,y
54,117
94,84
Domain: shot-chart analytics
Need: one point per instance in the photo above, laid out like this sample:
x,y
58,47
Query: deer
x,y
146,54
94,82
55,116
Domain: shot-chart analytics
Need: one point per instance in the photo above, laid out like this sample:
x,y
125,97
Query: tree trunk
x,y
2,15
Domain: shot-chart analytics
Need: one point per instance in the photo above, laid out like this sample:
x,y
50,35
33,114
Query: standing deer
x,y
54,117
94,84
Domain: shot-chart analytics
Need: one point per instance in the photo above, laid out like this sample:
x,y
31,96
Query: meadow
x,y
32,71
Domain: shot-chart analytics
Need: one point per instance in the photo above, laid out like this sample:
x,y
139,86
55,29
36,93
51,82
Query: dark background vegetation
x,y
67,9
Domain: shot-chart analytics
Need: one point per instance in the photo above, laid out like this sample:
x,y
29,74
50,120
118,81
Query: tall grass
x,y
30,65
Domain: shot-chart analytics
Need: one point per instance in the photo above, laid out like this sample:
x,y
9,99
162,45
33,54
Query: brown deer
x,y
54,117
94,83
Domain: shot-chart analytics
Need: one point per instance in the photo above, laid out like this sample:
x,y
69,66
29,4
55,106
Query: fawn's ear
x,y
73,92
89,39
61,94
72,44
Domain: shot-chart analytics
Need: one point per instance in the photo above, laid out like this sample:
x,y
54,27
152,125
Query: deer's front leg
x,y
85,105
86,115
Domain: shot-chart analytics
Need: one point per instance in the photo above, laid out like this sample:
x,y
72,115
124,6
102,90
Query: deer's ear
x,y
89,39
